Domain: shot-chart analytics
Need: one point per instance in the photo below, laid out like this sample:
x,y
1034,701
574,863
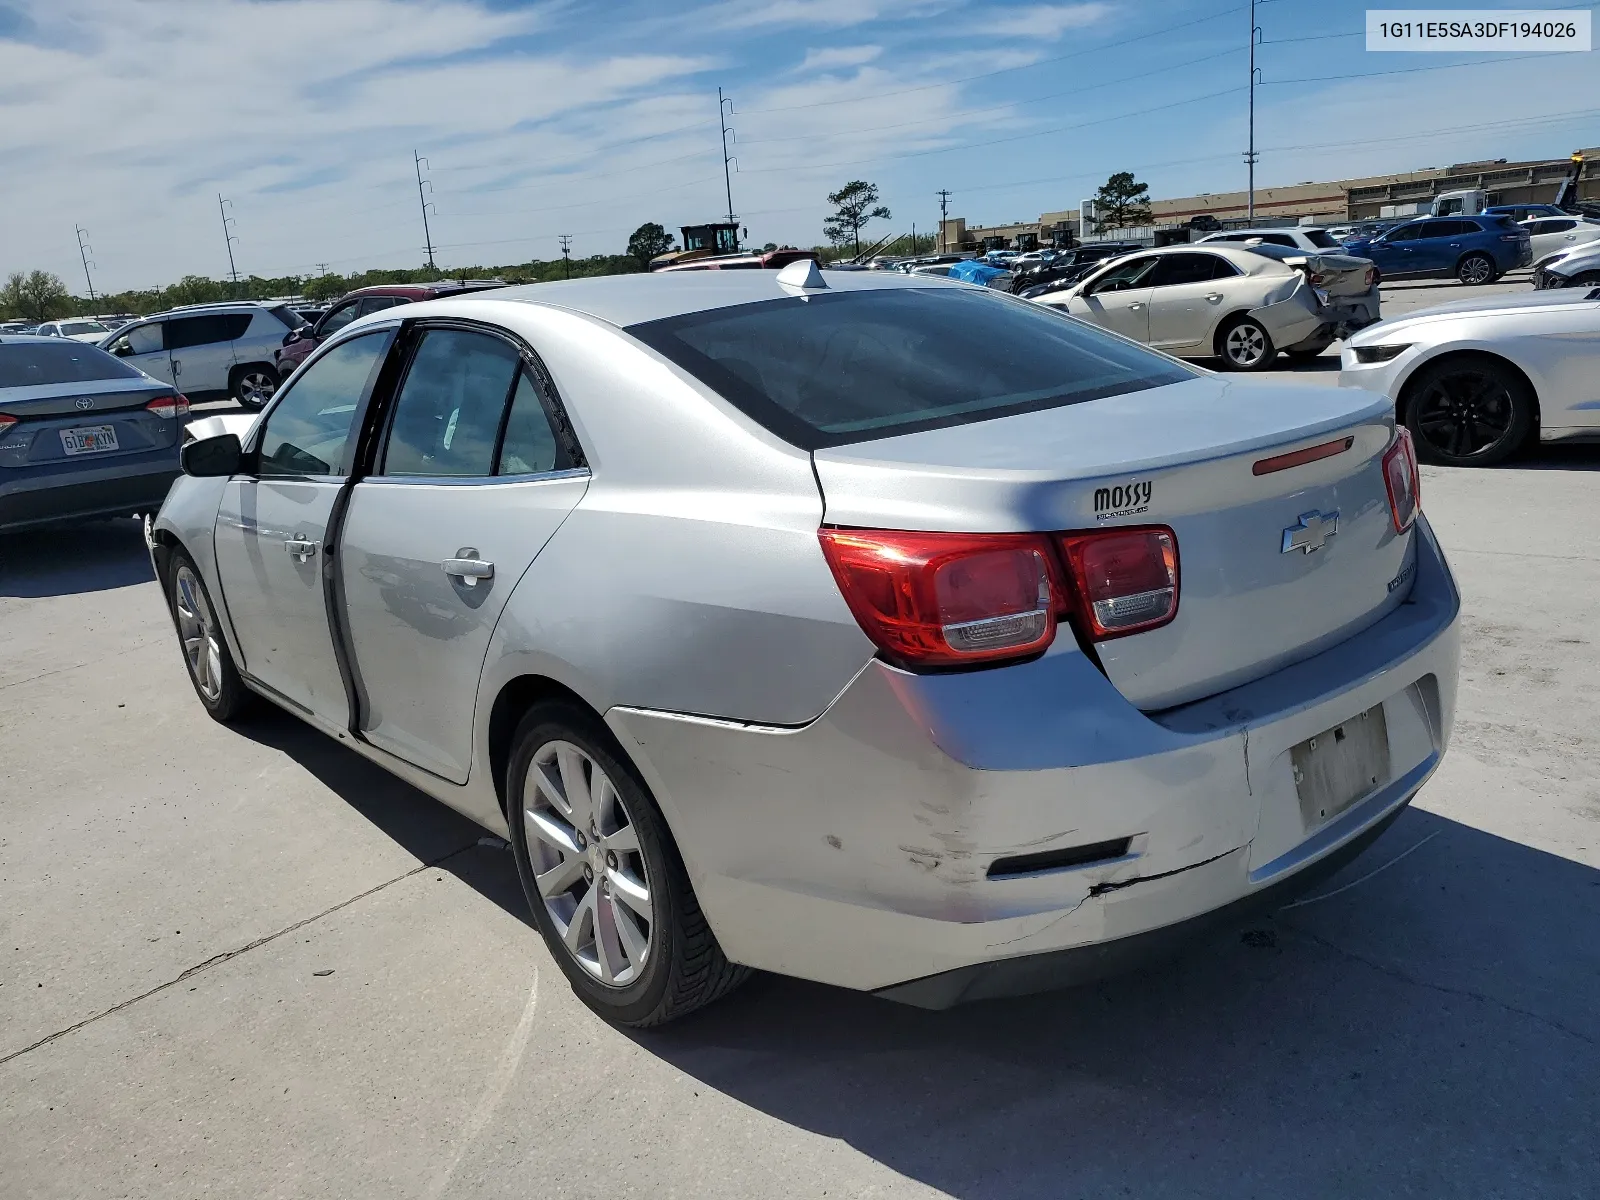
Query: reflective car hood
x,y
1479,306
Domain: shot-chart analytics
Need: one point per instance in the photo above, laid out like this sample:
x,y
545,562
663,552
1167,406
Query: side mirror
x,y
211,457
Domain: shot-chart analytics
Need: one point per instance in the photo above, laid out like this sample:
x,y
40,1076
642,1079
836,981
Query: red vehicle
x,y
772,260
300,343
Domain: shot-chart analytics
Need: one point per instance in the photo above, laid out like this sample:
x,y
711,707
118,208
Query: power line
x,y
427,235
724,108
1401,71
228,238
83,253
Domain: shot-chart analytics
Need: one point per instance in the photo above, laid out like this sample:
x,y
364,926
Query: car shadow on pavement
x,y
1430,1030
66,560
428,830
1558,456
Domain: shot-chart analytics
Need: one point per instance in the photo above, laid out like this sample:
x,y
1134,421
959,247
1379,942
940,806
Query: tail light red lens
x,y
1404,481
1372,276
946,599
6,421
1126,580
169,407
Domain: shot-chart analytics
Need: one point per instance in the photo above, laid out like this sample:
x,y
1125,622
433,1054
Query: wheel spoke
x,y
631,892
582,918
621,841
556,836
633,940
574,786
548,784
602,797
561,878
607,948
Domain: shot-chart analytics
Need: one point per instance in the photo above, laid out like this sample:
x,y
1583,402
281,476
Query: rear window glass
x,y
1321,237
852,366
30,364
287,316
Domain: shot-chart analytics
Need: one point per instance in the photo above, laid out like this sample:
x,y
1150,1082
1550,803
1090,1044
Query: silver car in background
x,y
210,351
1216,300
874,629
1477,380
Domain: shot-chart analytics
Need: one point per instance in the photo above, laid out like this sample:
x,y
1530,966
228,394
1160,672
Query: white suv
x,y
210,351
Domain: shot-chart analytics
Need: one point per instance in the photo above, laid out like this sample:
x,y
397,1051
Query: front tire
x,y
1469,412
205,651
1244,345
603,877
254,385
1476,269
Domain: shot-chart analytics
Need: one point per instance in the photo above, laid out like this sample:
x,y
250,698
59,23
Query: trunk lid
x,y
44,411
1180,456
1335,274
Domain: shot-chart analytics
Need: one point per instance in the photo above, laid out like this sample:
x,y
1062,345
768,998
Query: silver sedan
x,y
1217,300
884,631
1476,380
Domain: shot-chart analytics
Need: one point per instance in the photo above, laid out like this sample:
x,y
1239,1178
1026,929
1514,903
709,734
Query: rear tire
x,y
603,877
253,385
1469,412
1587,279
1244,345
205,651
1477,268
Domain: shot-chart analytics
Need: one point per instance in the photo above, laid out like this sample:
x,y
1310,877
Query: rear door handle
x,y
1135,306
468,567
177,366
301,548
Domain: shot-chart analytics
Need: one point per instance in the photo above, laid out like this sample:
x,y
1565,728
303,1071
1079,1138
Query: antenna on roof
x,y
801,277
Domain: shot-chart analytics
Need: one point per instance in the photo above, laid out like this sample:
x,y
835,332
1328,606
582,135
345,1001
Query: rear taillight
x,y
1515,237
1372,276
1404,481
6,421
169,407
1125,580
946,599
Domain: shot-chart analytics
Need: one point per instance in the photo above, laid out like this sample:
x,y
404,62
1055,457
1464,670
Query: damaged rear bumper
x,y
937,838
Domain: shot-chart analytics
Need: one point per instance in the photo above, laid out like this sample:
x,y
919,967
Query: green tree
x,y
36,296
1121,201
648,241
854,205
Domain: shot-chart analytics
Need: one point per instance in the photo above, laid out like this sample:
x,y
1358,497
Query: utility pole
x,y
724,108
566,250
1250,154
83,253
944,212
227,236
427,236
322,268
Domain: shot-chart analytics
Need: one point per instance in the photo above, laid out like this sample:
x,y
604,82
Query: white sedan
x,y
1552,236
1216,300
78,330
1476,380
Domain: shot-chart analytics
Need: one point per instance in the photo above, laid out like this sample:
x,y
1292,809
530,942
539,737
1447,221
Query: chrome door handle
x,y
301,548
468,567
1135,306
1213,296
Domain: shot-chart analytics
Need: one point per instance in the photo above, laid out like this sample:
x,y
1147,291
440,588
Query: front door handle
x,y
468,567
177,366
1135,306
1214,297
301,548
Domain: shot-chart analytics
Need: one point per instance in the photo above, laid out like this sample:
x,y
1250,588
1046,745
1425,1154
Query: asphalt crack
x,y
229,955
1444,989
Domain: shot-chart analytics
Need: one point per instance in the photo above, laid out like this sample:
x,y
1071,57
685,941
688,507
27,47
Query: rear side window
x,y
1322,239
32,364
447,415
287,316
852,366
1189,268
206,330
530,446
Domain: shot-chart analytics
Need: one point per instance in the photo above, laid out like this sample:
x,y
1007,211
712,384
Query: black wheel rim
x,y
1464,414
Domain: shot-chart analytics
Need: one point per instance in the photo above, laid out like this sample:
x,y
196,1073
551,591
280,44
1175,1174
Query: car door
x,y
144,346
1438,244
470,483
1189,293
1395,252
272,531
201,347
1552,236
1119,300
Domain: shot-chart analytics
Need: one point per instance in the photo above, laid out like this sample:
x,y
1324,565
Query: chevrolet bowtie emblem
x,y
1310,531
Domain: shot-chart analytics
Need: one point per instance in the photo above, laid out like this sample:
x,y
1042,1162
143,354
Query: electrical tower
x,y
724,110
1250,154
427,235
566,252
228,237
83,253
944,212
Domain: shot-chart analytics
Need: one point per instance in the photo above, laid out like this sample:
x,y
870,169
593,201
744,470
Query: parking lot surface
x,y
243,962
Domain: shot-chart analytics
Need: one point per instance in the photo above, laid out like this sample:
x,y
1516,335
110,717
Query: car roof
x,y
624,300
11,338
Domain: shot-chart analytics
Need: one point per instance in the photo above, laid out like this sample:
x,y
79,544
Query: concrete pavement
x,y
170,892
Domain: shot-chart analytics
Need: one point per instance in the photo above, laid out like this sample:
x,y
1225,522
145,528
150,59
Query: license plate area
x,y
1340,765
89,439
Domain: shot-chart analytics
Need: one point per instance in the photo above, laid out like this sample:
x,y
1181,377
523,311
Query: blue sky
x,y
538,119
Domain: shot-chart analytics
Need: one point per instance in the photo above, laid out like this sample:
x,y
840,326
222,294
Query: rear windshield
x,y
29,364
852,366
287,316
1321,237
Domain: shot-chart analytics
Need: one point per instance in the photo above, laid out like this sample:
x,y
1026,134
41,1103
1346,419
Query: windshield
x,y
73,328
31,364
852,366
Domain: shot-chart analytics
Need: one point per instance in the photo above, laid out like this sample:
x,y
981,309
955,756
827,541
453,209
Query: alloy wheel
x,y
1464,413
1245,345
198,629
1477,269
586,860
256,388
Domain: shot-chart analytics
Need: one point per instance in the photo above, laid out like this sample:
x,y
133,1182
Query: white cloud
x,y
1048,21
826,14
836,57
